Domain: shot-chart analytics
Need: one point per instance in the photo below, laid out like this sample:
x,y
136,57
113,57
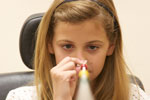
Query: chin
x,y
91,78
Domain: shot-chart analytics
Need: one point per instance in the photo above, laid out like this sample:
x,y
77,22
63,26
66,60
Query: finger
x,y
63,75
77,60
64,61
70,75
72,65
68,66
68,59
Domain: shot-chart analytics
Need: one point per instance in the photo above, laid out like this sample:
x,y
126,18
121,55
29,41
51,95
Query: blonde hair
x,y
112,83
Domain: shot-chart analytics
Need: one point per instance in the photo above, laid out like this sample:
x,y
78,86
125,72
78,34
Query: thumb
x,y
73,85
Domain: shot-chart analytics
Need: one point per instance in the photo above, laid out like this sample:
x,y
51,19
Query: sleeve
x,y
12,96
136,93
22,93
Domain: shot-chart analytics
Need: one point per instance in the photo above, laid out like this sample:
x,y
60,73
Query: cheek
x,y
96,65
59,56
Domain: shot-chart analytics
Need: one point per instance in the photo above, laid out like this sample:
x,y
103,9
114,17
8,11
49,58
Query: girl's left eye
x,y
93,47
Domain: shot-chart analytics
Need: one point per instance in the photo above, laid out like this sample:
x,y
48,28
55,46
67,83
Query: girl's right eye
x,y
67,46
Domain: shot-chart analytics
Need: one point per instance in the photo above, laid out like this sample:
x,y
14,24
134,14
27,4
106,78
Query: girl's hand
x,y
64,78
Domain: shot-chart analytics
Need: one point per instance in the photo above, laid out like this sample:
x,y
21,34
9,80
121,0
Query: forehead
x,y
87,30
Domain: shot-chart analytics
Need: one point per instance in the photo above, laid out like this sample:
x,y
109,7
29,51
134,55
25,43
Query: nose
x,y
81,54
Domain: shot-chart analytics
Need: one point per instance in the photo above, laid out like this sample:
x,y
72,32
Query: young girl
x,y
73,31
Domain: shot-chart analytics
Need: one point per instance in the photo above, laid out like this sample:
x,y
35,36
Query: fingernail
x,y
83,61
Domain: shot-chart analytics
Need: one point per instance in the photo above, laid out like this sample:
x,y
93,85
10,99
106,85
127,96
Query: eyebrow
x,y
95,41
90,42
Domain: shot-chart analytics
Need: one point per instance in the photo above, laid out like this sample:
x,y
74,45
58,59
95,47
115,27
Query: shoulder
x,y
22,93
136,93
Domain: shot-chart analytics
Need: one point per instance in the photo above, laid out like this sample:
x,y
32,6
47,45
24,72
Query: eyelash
x,y
88,47
95,47
66,45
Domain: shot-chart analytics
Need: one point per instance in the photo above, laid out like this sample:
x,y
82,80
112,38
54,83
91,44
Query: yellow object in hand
x,y
83,73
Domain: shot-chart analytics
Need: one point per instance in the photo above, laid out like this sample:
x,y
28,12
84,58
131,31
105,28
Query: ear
x,y
50,48
110,49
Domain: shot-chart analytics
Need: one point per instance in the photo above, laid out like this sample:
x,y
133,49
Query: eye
x,y
67,46
93,47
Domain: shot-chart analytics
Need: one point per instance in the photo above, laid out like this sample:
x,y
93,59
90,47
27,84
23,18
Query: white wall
x,y
135,21
134,17
12,16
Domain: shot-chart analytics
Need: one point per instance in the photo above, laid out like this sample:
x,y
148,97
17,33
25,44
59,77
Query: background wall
x,y
134,17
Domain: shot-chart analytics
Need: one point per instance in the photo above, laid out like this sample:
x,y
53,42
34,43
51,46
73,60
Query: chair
x,y
9,81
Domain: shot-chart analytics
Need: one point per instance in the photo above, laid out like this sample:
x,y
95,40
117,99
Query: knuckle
x,y
52,70
72,63
67,58
74,72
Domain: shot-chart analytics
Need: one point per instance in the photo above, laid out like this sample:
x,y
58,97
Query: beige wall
x,y
134,17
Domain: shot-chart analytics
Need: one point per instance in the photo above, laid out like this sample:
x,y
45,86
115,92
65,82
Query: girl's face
x,y
86,40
